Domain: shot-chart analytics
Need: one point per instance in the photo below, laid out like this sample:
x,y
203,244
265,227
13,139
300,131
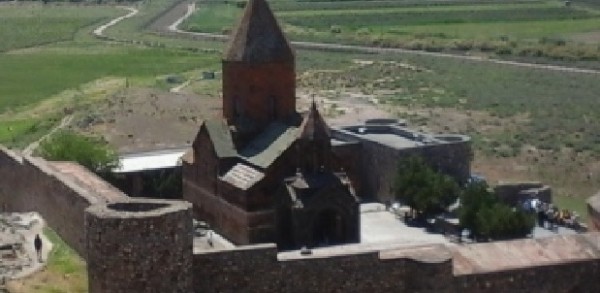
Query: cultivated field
x,y
31,25
544,28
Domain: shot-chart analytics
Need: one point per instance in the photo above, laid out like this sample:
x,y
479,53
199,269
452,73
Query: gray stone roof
x,y
258,38
269,145
221,138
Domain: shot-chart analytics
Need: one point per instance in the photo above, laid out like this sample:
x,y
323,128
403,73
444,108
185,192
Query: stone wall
x,y
258,269
140,249
556,264
33,184
515,192
380,163
139,246
581,276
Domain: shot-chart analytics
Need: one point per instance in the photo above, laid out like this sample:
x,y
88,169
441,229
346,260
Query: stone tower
x,y
258,73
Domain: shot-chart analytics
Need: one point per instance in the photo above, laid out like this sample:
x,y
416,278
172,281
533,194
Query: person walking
x,y
37,243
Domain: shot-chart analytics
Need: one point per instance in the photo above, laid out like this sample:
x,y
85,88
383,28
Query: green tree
x,y
91,152
486,217
422,188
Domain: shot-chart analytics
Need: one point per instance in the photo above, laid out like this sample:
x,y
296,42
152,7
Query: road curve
x,y
99,31
174,28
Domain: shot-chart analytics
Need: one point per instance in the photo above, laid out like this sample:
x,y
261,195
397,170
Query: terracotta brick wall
x,y
260,90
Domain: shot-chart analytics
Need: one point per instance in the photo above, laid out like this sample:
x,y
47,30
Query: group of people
x,y
550,216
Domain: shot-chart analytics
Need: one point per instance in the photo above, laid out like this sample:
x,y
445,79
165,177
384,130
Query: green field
x,y
51,71
39,74
32,25
521,29
57,70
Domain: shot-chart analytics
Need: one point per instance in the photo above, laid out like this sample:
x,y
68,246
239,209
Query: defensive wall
x,y
143,245
59,192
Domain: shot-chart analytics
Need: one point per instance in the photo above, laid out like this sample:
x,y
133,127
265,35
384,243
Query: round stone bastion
x,y
139,245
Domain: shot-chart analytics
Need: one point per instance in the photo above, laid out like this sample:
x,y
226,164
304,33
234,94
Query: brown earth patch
x,y
139,119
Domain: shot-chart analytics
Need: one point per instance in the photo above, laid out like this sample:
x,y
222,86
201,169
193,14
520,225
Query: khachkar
x,y
139,246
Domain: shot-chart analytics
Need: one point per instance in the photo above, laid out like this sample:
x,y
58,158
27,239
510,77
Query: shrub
x,y
487,218
91,152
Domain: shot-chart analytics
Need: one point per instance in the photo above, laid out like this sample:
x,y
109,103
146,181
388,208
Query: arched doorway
x,y
329,228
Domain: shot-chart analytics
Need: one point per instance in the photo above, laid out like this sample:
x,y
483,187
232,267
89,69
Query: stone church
x,y
263,172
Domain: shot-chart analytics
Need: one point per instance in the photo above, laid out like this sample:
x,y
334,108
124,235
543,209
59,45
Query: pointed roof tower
x,y
314,126
258,38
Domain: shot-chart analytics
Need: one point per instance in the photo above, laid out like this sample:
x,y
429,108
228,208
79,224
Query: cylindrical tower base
x,y
141,245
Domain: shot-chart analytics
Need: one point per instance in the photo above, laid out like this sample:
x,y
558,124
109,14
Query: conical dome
x,y
314,126
258,38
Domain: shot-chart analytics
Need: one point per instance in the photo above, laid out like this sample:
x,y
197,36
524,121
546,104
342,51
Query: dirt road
x,y
99,31
185,10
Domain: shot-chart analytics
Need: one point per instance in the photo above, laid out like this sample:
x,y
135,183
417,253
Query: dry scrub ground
x,y
138,119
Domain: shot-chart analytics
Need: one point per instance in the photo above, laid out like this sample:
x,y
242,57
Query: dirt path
x,y
34,145
174,28
99,31
24,227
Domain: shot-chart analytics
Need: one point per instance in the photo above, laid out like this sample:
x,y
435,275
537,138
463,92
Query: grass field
x,y
57,70
32,25
531,29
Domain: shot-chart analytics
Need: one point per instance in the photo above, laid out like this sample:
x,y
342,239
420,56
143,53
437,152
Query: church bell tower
x,y
259,78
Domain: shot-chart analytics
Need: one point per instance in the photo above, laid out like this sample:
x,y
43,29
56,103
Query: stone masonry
x,y
145,245
139,246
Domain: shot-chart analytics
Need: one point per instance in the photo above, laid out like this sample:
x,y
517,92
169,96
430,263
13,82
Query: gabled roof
x,y
258,38
314,126
220,136
269,145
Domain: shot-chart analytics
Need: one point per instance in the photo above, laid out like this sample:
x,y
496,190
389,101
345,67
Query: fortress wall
x,y
32,184
140,245
10,164
580,276
258,269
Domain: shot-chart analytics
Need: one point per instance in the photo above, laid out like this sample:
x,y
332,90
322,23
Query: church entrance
x,y
328,228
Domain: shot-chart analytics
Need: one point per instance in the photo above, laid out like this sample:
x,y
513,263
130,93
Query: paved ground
x,y
206,240
381,226
19,230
